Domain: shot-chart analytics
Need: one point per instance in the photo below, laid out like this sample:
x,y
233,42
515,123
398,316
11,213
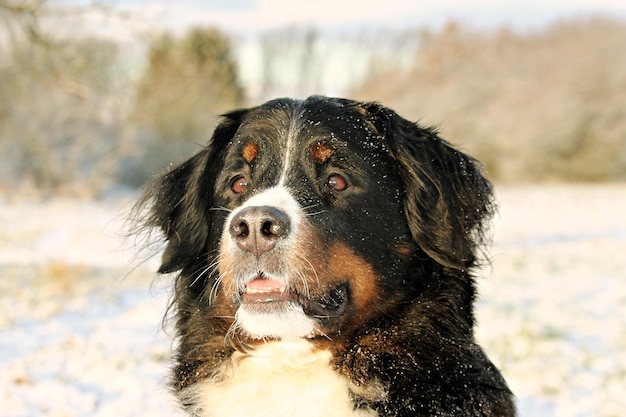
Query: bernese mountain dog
x,y
324,252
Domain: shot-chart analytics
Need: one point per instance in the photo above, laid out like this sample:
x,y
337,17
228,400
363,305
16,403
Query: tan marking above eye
x,y
320,152
250,151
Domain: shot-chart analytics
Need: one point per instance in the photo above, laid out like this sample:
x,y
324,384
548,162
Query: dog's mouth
x,y
266,294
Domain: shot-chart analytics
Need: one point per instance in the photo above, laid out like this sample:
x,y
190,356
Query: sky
x,y
253,16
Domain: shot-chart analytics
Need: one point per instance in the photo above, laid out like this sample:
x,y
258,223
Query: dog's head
x,y
307,218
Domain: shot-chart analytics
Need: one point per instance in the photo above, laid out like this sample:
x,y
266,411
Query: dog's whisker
x,y
224,317
303,277
218,281
311,214
305,284
231,336
214,288
227,210
305,208
202,271
198,275
322,334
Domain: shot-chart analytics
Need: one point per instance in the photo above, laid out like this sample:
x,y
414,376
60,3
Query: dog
x,y
325,252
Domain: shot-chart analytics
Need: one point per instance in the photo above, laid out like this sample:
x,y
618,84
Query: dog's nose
x,y
258,229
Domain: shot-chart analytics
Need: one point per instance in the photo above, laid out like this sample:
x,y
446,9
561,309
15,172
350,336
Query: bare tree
x,y
61,117
545,105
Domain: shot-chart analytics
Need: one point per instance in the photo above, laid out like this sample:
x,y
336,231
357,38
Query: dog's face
x,y
315,228
311,218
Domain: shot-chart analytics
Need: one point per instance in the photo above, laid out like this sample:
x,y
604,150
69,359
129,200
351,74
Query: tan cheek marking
x,y
328,266
250,151
345,263
320,152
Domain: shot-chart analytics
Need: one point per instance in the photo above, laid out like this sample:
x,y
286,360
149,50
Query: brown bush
x,y
62,109
549,105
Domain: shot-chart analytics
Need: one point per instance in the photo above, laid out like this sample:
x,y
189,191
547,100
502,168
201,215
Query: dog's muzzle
x,y
257,231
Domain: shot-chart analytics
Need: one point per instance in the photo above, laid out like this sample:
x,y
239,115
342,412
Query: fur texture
x,y
323,252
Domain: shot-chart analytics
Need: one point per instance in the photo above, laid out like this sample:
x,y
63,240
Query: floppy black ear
x,y
179,202
448,202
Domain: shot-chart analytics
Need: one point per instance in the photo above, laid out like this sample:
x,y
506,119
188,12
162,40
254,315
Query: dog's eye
x,y
239,185
337,183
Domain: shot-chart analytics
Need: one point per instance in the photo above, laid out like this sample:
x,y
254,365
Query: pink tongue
x,y
265,285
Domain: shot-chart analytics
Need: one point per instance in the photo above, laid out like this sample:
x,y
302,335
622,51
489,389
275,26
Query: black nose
x,y
258,229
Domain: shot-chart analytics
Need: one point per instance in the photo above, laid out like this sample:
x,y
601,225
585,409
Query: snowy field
x,y
80,329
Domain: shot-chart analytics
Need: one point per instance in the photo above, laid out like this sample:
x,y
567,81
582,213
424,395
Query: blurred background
x,y
102,94
98,96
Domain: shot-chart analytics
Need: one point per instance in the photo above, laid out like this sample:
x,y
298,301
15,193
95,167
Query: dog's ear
x,y
448,202
179,202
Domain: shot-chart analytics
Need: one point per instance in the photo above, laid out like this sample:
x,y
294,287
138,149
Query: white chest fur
x,y
279,379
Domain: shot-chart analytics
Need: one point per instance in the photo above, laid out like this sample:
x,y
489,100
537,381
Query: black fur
x,y
417,212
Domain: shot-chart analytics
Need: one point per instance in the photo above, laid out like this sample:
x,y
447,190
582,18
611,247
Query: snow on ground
x,y
80,327
553,305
